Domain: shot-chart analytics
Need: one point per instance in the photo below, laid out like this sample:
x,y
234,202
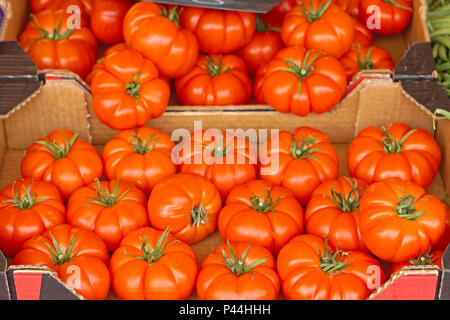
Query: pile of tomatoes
x,y
298,58
126,218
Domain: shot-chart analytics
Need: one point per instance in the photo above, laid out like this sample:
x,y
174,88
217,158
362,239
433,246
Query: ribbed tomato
x,y
111,209
27,208
186,203
445,241
260,212
350,6
218,31
362,36
99,64
219,80
63,159
79,257
302,81
155,32
320,25
141,156
394,150
299,161
399,221
41,5
333,213
431,258
309,270
153,265
386,16
238,271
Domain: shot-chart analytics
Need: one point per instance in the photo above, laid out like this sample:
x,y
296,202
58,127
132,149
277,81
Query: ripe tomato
x,y
50,43
333,213
391,16
28,208
399,221
394,150
238,271
362,36
350,6
303,81
224,158
299,161
445,241
79,257
186,203
141,156
155,32
264,45
107,19
261,212
309,270
433,257
153,265
111,209
99,64
366,58
128,91
41,5
258,82
218,31
219,80
320,25
275,17
63,159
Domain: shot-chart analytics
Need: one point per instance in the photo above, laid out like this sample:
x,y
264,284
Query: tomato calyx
x,y
143,147
173,14
133,88
265,206
219,151
405,208
441,112
55,35
446,200
398,5
150,255
215,69
302,72
58,256
349,203
302,148
199,215
365,64
237,264
27,201
391,145
423,260
330,262
57,151
312,15
262,26
104,197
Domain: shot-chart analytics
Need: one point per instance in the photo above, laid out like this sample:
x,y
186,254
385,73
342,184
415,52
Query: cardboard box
x,y
49,100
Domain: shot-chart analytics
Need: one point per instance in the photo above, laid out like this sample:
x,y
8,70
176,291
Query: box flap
x,y
260,6
417,62
444,291
4,290
430,94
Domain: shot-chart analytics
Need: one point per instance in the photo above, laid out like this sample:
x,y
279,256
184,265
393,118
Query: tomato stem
x,y
199,215
220,150
349,203
302,148
405,208
265,206
134,87
143,147
365,64
27,201
58,256
58,151
213,69
391,145
56,35
237,264
312,15
446,200
262,26
423,260
329,262
105,197
398,5
173,15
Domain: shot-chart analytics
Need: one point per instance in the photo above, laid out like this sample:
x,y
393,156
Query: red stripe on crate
x,y
354,85
52,77
28,285
410,287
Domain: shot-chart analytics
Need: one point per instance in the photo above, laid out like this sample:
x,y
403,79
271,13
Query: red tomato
x,y
224,158
399,221
63,159
320,25
141,156
79,257
107,19
219,31
309,270
52,43
41,5
27,208
155,32
368,58
301,81
350,6
445,241
128,91
99,64
261,212
186,203
238,271
362,36
275,17
386,16
217,80
111,209
433,258
258,82
333,213
264,45
299,161
153,265
394,150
